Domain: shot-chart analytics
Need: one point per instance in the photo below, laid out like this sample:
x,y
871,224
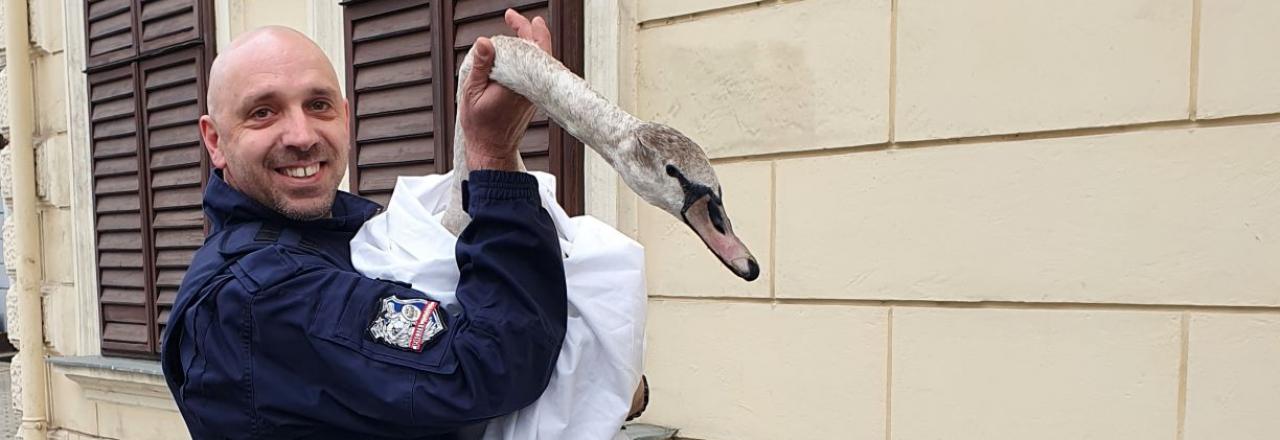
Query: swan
x,y
661,165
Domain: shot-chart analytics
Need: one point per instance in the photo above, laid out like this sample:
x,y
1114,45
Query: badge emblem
x,y
406,324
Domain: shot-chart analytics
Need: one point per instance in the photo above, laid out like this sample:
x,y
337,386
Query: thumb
x,y
481,65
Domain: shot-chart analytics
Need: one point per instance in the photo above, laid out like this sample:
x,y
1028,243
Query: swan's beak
x,y
706,217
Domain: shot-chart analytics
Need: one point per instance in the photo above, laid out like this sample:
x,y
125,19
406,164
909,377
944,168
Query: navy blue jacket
x,y
271,335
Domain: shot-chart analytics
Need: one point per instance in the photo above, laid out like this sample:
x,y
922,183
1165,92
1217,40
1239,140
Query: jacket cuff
x,y
488,185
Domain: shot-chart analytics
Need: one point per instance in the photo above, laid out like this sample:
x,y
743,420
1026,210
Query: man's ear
x,y
209,134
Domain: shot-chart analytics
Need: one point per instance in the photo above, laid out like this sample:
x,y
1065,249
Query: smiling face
x,y
277,123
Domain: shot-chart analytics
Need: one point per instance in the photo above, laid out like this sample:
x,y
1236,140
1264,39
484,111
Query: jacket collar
x,y
224,206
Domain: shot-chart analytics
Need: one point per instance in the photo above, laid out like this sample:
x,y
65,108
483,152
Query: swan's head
x,y
677,178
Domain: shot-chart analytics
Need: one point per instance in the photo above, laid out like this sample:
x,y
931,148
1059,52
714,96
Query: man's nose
x,y
299,131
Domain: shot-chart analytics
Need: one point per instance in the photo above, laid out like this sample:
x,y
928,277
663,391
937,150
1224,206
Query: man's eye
x,y
320,106
261,113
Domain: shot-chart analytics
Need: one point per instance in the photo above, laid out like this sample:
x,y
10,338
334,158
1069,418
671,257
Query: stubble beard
x,y
258,186
320,209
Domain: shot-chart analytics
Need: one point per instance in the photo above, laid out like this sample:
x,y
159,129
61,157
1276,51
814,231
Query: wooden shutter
x,y
401,81
109,25
145,101
168,23
118,210
173,96
390,88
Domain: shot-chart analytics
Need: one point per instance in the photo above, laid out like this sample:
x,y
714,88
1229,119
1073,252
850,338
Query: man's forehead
x,y
253,80
262,82
287,91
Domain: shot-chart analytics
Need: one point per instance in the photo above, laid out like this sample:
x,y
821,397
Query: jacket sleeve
x,y
312,358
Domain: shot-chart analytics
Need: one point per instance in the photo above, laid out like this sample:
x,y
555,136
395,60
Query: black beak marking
x,y
695,191
717,217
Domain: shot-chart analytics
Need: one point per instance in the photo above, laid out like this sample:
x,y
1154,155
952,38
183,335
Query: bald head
x,y
265,46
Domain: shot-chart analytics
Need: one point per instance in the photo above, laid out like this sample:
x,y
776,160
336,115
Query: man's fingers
x,y
519,24
481,65
535,31
541,35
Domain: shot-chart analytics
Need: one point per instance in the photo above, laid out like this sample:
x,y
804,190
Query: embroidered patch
x,y
406,324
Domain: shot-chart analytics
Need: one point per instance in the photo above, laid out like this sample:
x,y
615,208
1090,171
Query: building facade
x,y
977,219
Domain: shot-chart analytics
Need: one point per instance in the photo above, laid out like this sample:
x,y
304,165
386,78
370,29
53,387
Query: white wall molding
x,y
228,21
609,34
325,26
84,263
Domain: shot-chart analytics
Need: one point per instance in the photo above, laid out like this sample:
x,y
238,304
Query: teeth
x,y
306,171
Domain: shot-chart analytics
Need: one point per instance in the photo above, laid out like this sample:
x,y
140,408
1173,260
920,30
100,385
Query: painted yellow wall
x,y
982,219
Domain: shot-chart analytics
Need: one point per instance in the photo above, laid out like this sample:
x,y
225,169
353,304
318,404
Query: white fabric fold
x,y
600,363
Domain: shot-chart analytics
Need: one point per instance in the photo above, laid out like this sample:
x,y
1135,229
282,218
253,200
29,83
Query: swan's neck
x,y
565,97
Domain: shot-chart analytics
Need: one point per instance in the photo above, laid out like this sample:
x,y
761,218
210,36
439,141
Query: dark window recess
x,y
402,60
148,63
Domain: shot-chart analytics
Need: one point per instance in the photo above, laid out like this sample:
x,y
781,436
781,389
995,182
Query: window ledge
x,y
135,382
645,431
120,381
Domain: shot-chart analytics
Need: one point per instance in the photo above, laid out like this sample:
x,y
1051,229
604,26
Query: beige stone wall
x,y
52,157
981,219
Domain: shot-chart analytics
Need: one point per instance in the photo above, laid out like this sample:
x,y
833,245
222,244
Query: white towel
x,y
599,366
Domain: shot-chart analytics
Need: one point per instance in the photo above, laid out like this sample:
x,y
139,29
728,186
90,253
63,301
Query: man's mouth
x,y
300,172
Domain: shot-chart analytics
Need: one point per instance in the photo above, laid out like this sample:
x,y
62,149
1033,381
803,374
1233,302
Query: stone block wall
x,y
977,219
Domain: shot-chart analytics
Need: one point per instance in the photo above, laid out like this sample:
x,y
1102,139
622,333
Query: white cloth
x,y
599,366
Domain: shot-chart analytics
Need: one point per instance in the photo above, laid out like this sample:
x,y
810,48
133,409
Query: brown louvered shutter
x,y
173,96
403,106
170,23
110,32
146,95
390,88
118,208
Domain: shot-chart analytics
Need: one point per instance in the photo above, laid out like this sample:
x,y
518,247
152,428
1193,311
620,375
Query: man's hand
x,y
494,118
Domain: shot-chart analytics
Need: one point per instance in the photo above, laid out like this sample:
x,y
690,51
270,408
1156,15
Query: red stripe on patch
x,y
420,328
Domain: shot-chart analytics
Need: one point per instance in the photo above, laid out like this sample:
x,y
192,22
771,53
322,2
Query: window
x,y
147,65
402,60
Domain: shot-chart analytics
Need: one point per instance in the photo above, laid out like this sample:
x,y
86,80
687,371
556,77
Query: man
x,y
274,335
